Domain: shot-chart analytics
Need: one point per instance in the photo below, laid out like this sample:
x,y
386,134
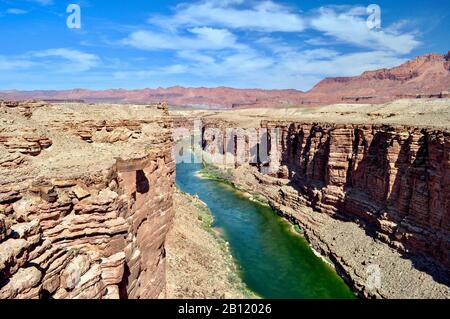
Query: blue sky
x,y
245,44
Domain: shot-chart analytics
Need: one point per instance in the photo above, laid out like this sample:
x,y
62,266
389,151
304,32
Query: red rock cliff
x,y
82,217
393,180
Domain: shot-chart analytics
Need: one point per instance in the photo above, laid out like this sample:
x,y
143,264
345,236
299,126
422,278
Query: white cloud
x,y
264,16
242,43
59,60
78,61
215,38
42,2
345,24
350,27
331,63
238,43
237,64
16,11
295,69
203,38
14,63
196,56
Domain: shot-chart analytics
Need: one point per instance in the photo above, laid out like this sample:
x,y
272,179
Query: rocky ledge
x,y
357,254
85,200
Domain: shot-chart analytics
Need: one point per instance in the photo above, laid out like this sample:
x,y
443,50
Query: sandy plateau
x,y
409,112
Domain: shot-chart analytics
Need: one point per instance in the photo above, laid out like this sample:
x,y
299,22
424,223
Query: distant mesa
x,y
63,101
427,76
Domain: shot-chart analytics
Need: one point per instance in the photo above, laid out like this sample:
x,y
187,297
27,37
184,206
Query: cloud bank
x,y
266,44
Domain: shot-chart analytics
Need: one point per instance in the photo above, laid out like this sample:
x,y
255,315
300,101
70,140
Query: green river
x,y
275,262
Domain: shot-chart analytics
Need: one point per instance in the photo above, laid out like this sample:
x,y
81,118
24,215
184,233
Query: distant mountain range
x,y
425,76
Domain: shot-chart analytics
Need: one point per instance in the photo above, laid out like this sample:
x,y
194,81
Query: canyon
x,y
88,196
423,77
367,188
85,200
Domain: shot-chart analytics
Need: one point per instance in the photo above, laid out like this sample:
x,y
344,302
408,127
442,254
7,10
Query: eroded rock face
x,y
86,220
393,180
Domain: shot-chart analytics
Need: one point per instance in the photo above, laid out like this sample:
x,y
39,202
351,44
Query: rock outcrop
x,y
425,76
392,180
85,201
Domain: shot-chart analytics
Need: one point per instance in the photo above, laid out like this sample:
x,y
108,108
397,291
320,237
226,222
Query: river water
x,y
274,261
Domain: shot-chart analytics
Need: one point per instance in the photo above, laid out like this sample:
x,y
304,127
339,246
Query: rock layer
x,y
393,181
85,218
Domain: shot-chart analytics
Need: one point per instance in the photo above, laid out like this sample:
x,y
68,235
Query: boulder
x,y
113,268
71,276
24,230
80,192
21,282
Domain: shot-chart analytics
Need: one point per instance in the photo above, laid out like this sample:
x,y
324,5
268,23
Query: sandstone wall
x,y
393,180
92,225
94,237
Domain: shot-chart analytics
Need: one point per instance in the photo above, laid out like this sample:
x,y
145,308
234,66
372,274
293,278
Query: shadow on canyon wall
x,y
368,198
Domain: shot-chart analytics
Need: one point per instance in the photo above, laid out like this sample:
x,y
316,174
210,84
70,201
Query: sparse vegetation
x,y
202,239
218,174
298,229
258,198
205,216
